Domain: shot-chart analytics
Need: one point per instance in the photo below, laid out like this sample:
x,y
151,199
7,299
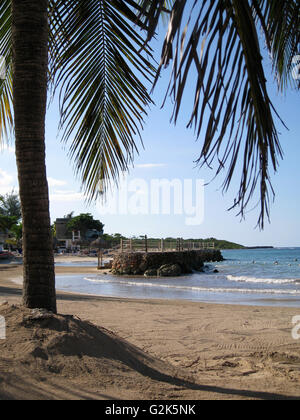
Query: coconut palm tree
x,y
97,58
92,51
30,73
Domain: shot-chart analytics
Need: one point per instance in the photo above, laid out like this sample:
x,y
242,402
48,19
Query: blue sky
x,y
170,152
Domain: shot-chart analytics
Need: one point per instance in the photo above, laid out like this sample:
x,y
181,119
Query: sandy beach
x,y
176,349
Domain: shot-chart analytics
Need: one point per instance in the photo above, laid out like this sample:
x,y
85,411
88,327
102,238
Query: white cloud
x,y
66,196
6,182
151,165
56,182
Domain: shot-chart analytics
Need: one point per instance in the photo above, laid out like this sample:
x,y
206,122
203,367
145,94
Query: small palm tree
x,y
10,205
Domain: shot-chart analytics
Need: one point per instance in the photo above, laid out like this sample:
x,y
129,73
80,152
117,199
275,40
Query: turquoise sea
x,y
269,277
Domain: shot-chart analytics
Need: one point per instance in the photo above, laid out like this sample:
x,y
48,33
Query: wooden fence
x,y
162,245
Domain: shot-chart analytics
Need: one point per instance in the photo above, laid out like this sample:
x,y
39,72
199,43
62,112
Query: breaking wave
x,y
194,288
246,279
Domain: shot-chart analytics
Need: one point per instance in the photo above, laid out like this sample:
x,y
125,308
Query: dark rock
x,y
186,262
143,267
151,273
170,270
137,273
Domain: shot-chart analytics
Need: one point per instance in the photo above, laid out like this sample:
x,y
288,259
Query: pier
x,y
144,244
163,264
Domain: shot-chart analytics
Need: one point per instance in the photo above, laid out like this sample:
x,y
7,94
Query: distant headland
x,y
259,247
224,244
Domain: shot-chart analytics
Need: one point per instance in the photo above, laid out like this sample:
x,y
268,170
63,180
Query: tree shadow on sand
x,y
71,347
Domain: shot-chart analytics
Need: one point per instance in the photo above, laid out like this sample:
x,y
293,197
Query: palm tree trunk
x,y
30,66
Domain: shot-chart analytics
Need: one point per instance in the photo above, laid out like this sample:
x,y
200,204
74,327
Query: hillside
x,y
221,243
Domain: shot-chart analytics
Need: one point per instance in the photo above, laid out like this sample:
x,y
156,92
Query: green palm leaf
x,y
232,111
6,108
97,64
282,32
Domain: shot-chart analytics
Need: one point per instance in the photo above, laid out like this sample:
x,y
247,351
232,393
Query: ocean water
x,y
269,277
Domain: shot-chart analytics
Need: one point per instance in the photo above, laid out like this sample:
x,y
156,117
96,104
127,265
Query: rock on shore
x,y
164,264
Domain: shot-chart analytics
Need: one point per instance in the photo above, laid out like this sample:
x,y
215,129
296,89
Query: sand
x,y
75,259
145,349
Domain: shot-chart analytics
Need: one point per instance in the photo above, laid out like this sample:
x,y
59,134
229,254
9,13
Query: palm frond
x,y
96,62
6,107
232,111
282,31
151,13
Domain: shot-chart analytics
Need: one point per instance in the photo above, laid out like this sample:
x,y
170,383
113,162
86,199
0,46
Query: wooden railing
x,y
162,245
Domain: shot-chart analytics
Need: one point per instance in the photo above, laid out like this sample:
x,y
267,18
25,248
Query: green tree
x,y
17,231
7,222
83,223
15,235
10,214
114,239
53,230
10,205
118,237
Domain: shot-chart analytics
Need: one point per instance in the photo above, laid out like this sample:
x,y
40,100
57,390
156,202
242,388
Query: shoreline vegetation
x,y
177,350
221,244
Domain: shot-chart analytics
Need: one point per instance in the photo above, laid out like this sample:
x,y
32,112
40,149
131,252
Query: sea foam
x,y
247,279
130,283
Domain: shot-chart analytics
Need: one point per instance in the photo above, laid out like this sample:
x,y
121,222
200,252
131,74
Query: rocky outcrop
x,y
167,264
170,270
151,273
